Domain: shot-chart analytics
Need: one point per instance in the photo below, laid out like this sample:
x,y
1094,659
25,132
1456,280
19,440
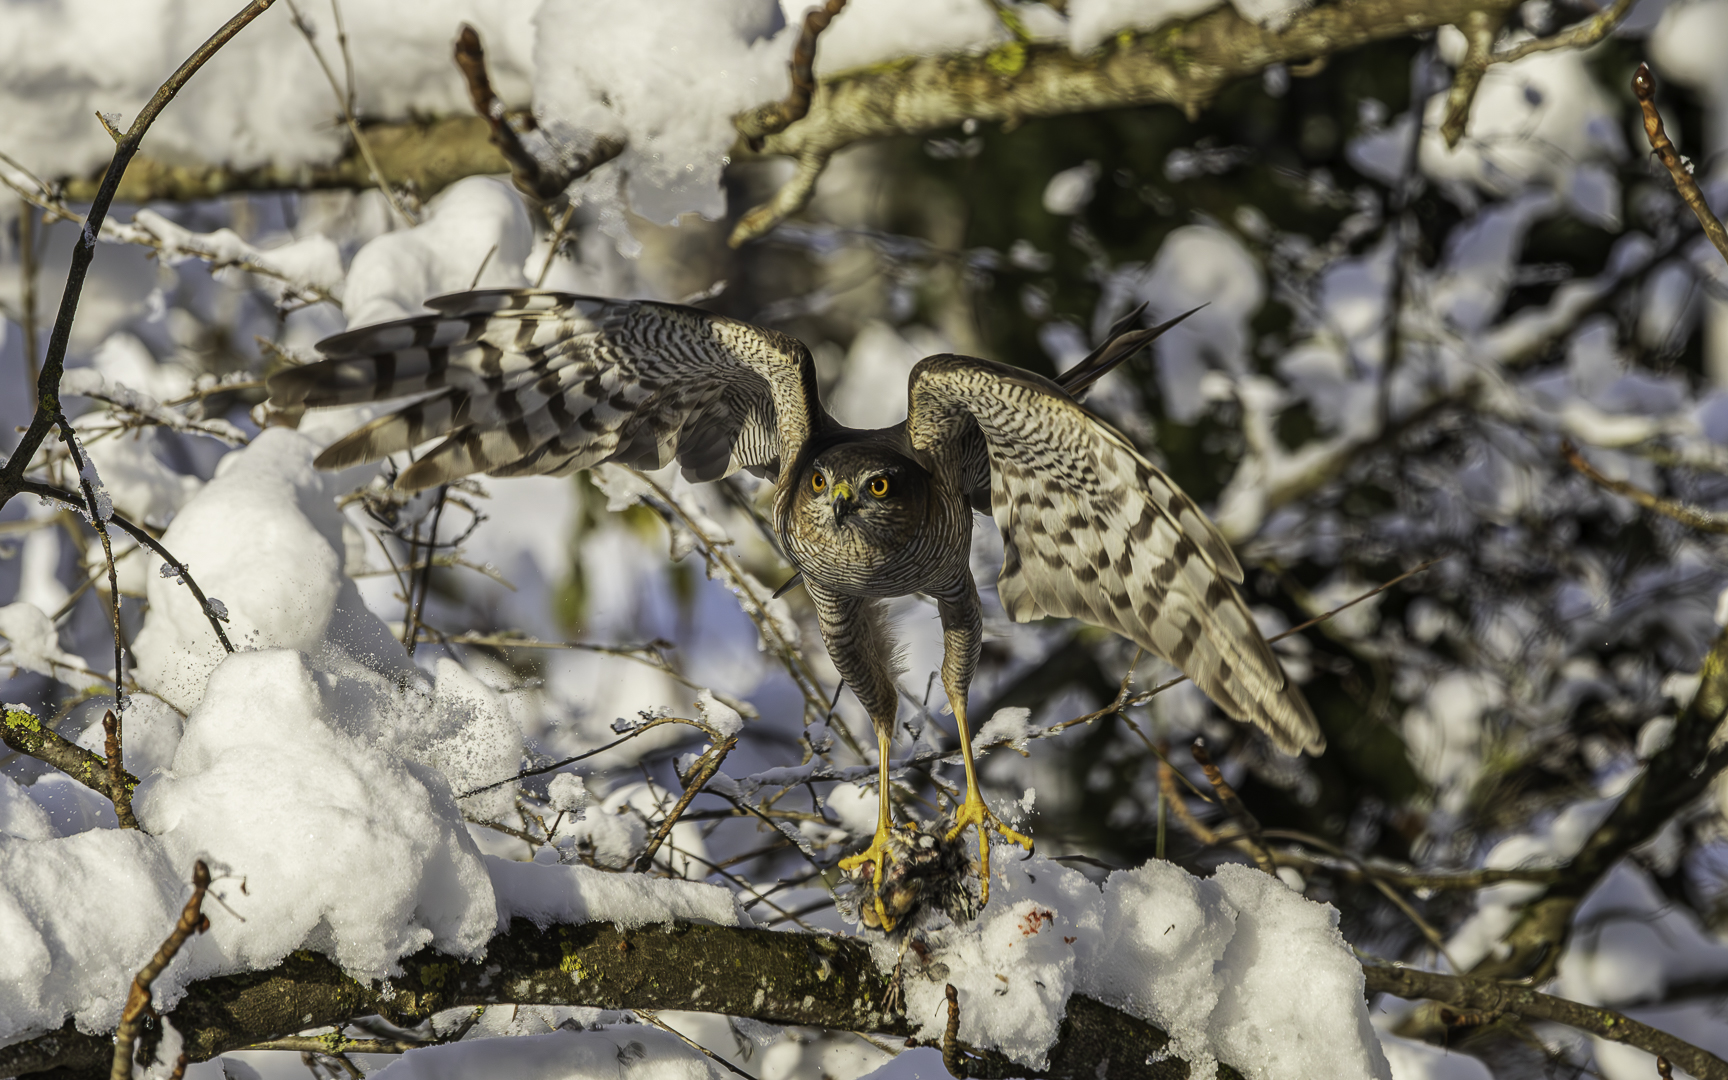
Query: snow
x,y
74,912
1197,264
548,894
269,723
283,586
1411,1060
476,234
668,76
1236,968
723,718
261,99
632,1052
34,643
1070,190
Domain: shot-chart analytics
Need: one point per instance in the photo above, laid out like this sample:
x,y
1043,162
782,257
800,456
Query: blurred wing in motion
x,y
520,382
1091,530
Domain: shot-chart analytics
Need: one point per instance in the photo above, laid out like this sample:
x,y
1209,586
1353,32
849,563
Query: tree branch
x,y
24,732
1677,774
779,978
1480,995
1644,86
1185,64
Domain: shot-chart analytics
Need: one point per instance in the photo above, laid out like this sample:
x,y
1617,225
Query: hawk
x,y
520,382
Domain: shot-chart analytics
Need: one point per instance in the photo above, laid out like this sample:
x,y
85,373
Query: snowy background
x,y
1396,339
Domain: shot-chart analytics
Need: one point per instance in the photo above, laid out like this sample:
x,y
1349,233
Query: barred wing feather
x,y
1091,530
520,382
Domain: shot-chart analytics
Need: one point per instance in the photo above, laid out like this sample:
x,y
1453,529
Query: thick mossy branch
x,y
780,978
424,157
28,734
1184,64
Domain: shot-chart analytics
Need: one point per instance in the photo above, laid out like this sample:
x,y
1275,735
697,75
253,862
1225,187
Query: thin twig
x,y
543,176
951,1059
1233,806
1685,513
631,734
345,100
703,772
48,412
557,239
119,791
1644,85
213,612
27,272
417,608
1144,697
1577,36
192,921
693,1044
777,116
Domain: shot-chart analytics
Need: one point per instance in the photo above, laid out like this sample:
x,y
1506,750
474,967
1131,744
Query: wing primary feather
x,y
1121,343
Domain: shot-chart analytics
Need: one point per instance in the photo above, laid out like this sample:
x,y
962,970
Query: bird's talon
x,y
877,855
974,812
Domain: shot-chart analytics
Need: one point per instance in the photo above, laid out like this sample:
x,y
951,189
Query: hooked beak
x,y
842,500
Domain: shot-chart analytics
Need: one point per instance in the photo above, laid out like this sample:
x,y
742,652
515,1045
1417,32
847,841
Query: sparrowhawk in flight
x,y
524,382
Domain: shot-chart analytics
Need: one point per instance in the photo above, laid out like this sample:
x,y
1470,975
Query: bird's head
x,y
865,488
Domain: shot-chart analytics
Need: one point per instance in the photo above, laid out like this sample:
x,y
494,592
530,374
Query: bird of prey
x,y
521,382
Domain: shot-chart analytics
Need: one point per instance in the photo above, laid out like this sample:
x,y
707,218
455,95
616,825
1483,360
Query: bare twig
x,y
213,611
48,413
416,607
700,774
1480,28
1685,513
1577,36
27,272
192,921
557,240
1233,806
545,174
777,116
1644,85
631,734
345,101
118,789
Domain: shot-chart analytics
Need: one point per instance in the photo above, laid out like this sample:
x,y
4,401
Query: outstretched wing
x,y
520,382
1091,530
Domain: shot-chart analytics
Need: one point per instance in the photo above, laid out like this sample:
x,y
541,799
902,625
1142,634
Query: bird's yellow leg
x,y
877,852
974,812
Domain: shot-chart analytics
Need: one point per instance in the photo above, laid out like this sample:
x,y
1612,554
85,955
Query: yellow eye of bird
x,y
879,486
818,482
